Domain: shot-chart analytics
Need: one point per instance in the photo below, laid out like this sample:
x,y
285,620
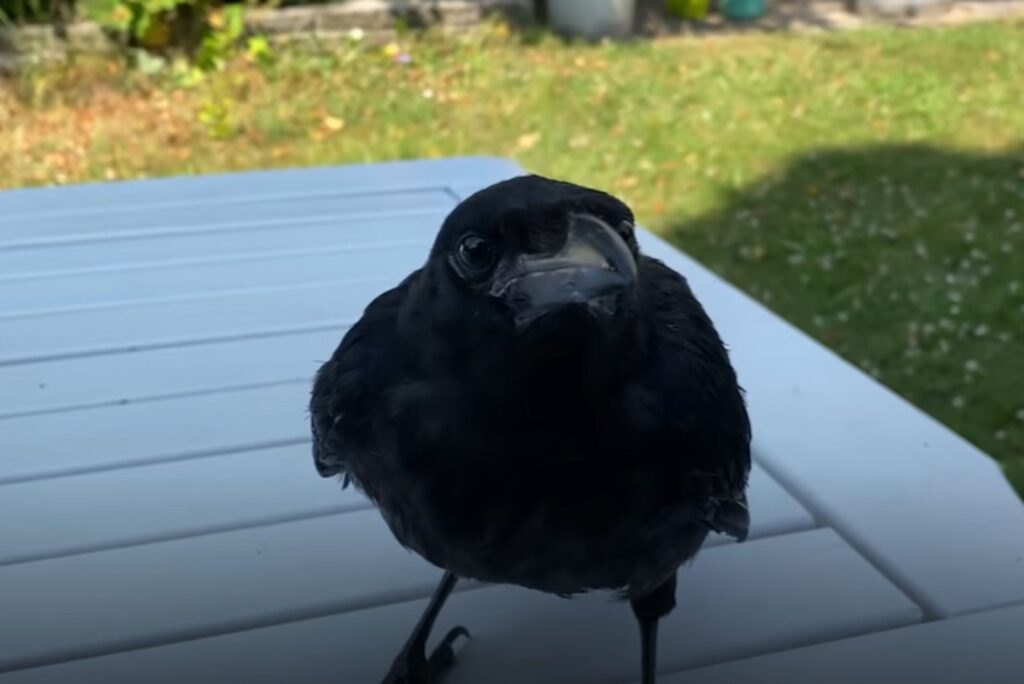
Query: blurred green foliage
x,y
208,32
34,11
115,13
140,18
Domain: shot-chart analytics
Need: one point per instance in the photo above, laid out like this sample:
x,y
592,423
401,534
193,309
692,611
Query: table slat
x,y
983,647
734,600
354,232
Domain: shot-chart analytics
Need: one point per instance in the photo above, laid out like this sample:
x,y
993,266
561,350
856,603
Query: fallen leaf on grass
x,y
528,141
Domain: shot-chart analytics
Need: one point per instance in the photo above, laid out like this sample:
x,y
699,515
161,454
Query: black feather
x,y
585,454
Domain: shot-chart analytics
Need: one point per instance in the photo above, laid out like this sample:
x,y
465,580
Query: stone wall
x,y
24,45
378,19
899,8
382,15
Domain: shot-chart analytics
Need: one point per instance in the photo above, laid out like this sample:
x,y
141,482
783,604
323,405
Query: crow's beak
x,y
593,267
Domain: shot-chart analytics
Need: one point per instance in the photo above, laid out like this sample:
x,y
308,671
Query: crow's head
x,y
532,250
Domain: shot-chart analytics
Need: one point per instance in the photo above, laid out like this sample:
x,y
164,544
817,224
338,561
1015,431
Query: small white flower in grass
x,y
1005,337
954,310
1000,435
958,402
954,296
333,123
972,366
969,237
1020,415
843,316
1013,285
951,278
1006,248
356,35
981,330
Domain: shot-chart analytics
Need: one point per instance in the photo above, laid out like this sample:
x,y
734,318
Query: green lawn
x,y
867,186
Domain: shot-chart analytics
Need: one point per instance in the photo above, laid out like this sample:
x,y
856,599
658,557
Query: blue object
x,y
743,10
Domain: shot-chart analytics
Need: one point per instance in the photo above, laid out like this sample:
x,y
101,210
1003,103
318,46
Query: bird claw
x,y
444,655
413,667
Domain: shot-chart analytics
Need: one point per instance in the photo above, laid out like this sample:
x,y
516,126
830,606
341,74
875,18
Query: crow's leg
x,y
412,666
649,609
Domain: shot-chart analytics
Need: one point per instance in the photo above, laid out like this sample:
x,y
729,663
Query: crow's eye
x,y
475,256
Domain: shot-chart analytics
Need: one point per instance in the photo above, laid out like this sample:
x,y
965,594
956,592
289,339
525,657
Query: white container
x,y
592,19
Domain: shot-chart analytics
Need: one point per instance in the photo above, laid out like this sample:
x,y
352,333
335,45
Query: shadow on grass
x,y
908,261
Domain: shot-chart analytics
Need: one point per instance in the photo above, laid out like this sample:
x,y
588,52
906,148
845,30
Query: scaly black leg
x,y
649,609
412,666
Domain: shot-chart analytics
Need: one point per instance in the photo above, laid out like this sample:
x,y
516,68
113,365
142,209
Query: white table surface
x,y
161,520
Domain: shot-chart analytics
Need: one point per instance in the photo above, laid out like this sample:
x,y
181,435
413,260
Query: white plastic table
x,y
161,519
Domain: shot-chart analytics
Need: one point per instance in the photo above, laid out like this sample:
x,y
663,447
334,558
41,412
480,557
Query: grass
x,y
867,186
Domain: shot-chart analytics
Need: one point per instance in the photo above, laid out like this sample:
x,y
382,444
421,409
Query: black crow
x,y
542,405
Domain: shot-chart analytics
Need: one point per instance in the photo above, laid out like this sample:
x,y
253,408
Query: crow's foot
x,y
412,666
